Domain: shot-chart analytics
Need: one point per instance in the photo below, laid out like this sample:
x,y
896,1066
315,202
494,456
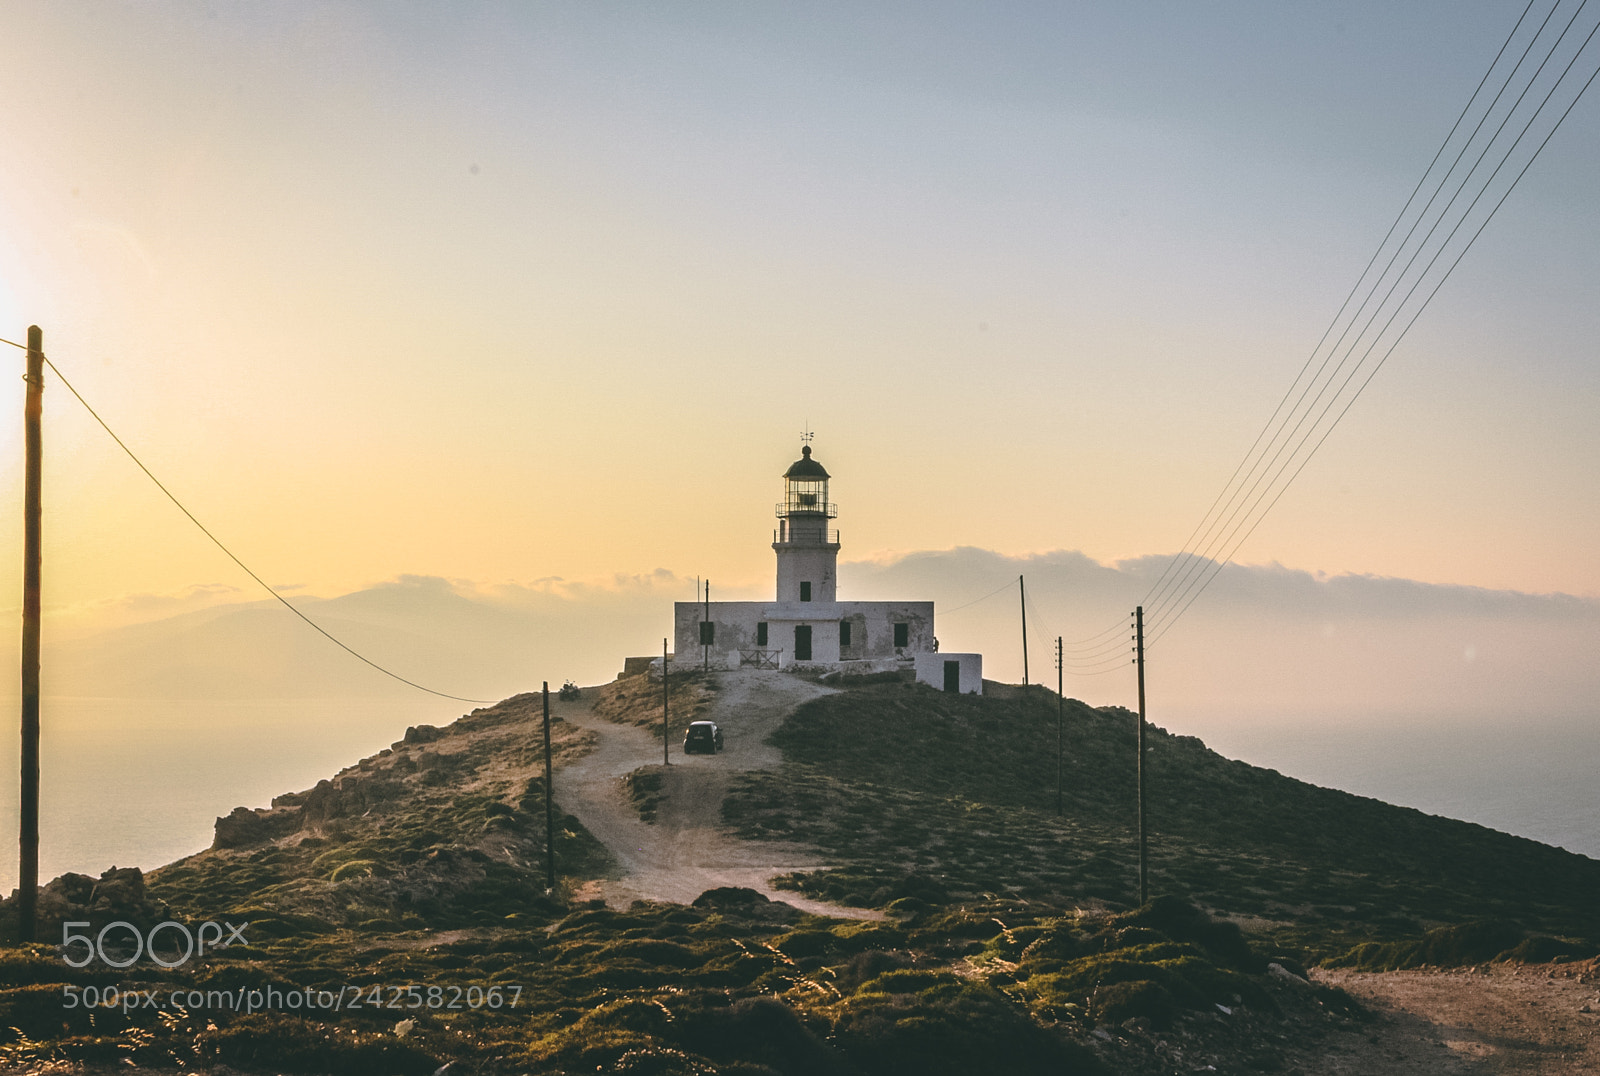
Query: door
x,y
952,677
802,642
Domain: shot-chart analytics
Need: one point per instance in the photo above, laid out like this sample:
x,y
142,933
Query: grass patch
x,y
929,798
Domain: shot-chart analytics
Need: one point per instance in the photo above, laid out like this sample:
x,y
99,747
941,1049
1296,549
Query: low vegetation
x,y
411,888
636,700
732,984
933,798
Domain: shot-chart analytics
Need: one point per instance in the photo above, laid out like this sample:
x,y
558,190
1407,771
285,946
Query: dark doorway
x,y
802,642
952,677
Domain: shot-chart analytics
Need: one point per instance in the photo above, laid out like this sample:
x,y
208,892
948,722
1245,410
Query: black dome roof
x,y
805,466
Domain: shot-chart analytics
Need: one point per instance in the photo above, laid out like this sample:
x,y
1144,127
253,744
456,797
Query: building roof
x,y
805,466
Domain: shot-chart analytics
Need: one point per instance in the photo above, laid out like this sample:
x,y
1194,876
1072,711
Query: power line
x,y
1213,567
1189,558
1089,657
1155,589
1231,509
1003,586
1418,313
1092,638
243,566
1202,565
1121,665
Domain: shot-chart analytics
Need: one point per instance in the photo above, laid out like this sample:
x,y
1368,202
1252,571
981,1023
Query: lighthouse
x,y
806,627
807,546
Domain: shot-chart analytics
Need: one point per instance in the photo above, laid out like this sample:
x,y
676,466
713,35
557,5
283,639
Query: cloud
x,y
1251,589
1263,639
139,607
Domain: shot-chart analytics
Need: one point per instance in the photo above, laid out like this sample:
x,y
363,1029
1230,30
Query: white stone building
x,y
806,626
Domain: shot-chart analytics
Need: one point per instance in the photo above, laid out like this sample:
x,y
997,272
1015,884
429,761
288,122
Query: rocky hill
x,y
399,921
937,797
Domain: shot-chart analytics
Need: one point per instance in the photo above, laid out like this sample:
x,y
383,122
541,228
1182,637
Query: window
x,y
761,634
805,592
844,633
902,635
708,633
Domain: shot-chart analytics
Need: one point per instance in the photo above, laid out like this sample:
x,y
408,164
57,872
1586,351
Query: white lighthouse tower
x,y
807,548
806,626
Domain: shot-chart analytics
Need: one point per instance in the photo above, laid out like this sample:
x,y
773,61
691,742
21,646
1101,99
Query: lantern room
x,y
807,549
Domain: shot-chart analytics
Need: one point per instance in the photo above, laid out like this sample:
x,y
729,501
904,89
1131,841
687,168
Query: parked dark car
x,y
703,737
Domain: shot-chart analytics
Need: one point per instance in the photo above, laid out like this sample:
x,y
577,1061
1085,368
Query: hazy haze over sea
x,y
1460,701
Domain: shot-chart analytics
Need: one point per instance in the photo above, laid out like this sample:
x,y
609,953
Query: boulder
x,y
245,827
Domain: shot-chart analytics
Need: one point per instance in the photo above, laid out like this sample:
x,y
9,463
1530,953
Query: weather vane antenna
x,y
806,434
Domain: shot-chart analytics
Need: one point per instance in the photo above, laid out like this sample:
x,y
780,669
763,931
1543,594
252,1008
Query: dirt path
x,y
686,850
1495,1020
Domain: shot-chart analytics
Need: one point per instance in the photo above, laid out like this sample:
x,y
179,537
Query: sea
x,y
141,782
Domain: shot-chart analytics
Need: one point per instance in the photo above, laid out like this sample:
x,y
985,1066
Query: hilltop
x,y
886,888
940,797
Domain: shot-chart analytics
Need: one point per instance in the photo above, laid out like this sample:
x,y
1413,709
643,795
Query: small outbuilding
x,y
959,674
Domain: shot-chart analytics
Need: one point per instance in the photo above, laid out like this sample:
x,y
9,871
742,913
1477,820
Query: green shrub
x,y
1541,949
971,1029
919,981
1181,921
804,943
1117,1002
291,1044
1445,947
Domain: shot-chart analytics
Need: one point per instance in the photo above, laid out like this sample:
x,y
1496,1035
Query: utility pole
x,y
1138,638
549,804
28,830
1022,596
1061,705
705,641
665,760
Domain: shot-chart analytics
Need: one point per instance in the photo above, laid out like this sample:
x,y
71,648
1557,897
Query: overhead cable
x,y
243,566
1264,482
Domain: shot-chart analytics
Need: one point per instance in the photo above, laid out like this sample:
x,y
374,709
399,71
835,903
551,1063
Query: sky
x,y
522,293
508,318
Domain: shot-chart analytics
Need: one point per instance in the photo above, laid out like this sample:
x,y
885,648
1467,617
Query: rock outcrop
x,y
117,895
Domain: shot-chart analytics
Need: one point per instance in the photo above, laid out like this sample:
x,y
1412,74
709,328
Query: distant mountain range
x,y
1263,638
422,629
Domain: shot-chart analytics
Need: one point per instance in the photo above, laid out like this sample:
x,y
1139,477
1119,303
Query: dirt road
x,y
1495,1020
686,851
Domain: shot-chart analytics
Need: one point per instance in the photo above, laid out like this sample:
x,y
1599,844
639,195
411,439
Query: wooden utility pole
x,y
665,759
549,801
1022,596
705,642
1061,706
28,830
1138,646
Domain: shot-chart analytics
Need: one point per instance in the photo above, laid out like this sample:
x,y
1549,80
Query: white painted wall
x,y
814,564
930,670
872,627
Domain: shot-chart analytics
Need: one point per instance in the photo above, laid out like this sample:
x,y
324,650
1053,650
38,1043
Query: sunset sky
x,y
507,292
485,330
